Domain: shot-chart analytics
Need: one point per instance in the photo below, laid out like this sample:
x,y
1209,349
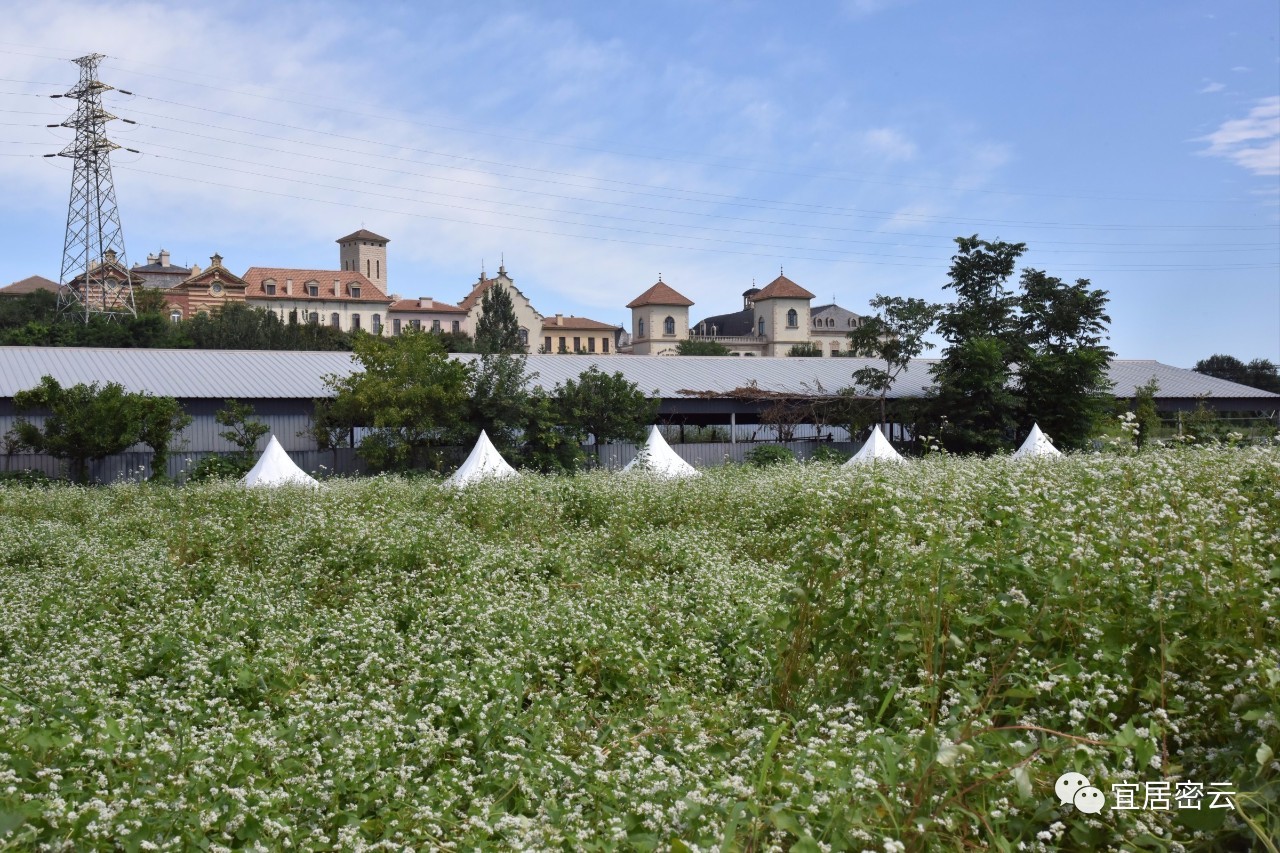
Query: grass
x,y
804,657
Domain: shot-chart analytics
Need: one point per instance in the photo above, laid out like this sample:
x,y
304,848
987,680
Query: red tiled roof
x,y
255,276
577,324
659,294
362,234
29,285
415,305
782,288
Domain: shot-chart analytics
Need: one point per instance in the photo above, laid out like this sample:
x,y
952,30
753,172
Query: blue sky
x,y
595,146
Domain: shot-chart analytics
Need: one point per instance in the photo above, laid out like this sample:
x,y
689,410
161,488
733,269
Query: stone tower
x,y
365,252
659,320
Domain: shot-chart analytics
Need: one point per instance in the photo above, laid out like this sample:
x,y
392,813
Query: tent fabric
x,y
485,462
876,449
1037,444
275,468
657,457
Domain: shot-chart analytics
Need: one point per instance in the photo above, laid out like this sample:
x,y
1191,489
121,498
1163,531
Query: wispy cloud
x,y
1252,142
1212,87
890,143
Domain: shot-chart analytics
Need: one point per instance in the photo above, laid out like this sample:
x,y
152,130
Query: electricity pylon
x,y
95,272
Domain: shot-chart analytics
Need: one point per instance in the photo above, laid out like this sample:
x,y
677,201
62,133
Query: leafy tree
x,y
610,408
1259,373
159,419
497,399
805,350
980,327
895,335
242,430
456,341
84,422
692,346
1062,362
498,330
331,426
766,455
410,394
1144,406
549,446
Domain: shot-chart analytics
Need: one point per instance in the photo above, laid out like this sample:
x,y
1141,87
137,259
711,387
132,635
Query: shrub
x,y
827,453
218,467
769,454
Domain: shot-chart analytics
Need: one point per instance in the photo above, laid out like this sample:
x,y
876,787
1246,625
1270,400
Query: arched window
x,y
375,324
640,328
669,326
335,320
760,326
793,319
355,322
524,338
830,322
835,348
175,315
313,318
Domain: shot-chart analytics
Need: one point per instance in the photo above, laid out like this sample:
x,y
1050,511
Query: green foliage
x,y
237,325
905,670
159,419
805,350
1260,373
827,454
1062,372
242,429
548,446
1144,408
497,400
410,394
83,423
1202,425
694,346
895,335
218,466
766,455
455,341
975,372
497,330
25,477
608,407
751,660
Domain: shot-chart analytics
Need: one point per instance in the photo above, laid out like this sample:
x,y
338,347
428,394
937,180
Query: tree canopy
x,y
895,335
692,346
1259,373
498,330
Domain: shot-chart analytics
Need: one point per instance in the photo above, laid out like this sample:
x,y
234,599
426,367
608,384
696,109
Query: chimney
x,y
164,257
426,302
288,287
152,259
559,319
337,287
195,270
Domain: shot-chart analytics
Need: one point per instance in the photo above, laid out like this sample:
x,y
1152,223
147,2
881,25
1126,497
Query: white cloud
x,y
1211,87
889,143
1253,142
863,8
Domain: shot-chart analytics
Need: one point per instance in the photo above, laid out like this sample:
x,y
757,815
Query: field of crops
x,y
798,658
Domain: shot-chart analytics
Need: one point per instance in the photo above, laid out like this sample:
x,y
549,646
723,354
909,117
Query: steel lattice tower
x,y
95,272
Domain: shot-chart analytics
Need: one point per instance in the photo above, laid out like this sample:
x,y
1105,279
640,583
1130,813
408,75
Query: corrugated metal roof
x,y
268,374
191,374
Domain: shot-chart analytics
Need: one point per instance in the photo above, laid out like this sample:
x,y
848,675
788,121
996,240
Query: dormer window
x,y
313,289
269,287
355,291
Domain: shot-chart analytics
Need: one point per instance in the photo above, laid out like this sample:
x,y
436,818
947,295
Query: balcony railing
x,y
730,339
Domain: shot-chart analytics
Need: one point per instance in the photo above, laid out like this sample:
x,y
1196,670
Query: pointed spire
x,y
502,263
482,269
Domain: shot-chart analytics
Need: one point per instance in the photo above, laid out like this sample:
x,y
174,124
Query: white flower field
x,y
806,657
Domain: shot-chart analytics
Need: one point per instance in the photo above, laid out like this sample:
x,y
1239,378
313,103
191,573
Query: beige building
x,y
773,319
365,252
527,317
344,300
659,320
427,314
578,335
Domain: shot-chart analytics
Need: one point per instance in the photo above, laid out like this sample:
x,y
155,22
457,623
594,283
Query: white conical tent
x,y
876,449
485,462
1037,444
275,468
657,457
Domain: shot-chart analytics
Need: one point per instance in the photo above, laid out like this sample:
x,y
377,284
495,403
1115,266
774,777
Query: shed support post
x,y
733,427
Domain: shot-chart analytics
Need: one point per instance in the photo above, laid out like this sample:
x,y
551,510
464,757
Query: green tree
x,y
1259,373
331,426
83,423
692,346
498,330
973,376
159,419
1144,406
497,399
805,350
410,395
242,429
549,446
609,408
1062,363
895,335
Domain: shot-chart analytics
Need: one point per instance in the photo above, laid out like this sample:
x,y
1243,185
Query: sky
x,y
593,147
